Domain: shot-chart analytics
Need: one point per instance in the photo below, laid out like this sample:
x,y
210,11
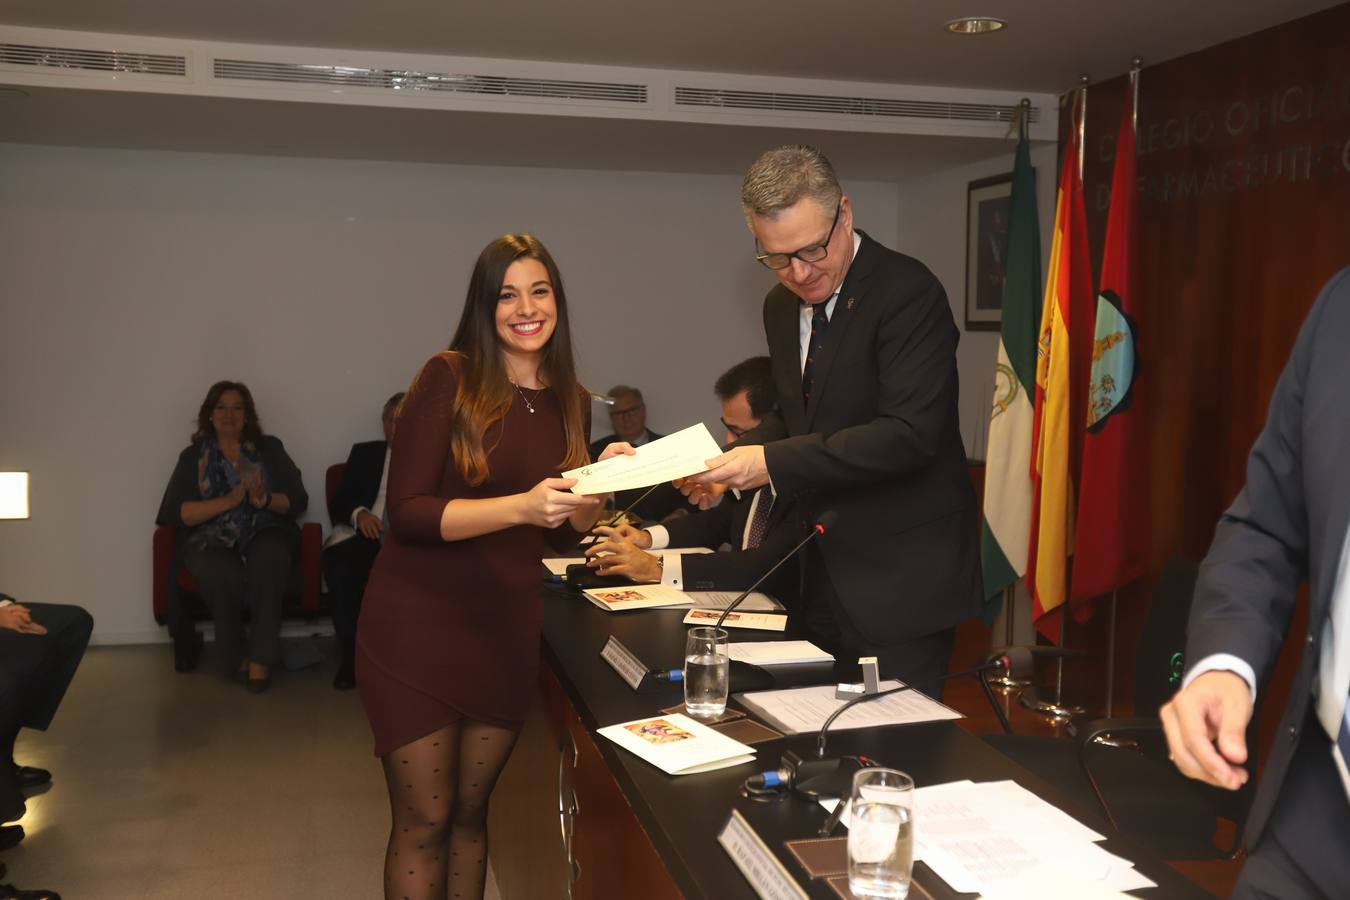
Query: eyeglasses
x,y
630,411
733,430
812,254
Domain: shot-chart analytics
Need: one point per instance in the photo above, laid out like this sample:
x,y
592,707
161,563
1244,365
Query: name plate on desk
x,y
767,876
622,660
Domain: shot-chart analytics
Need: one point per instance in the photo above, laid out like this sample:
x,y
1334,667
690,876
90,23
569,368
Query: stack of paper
x,y
778,653
677,745
999,839
806,709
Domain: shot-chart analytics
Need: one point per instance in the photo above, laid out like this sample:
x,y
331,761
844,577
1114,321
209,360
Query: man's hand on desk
x,y
623,558
742,468
1206,725
638,537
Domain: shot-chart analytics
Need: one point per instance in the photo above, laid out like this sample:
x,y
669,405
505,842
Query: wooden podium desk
x,y
576,816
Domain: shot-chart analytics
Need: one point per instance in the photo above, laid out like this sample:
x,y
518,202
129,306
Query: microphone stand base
x,y
1053,709
1007,683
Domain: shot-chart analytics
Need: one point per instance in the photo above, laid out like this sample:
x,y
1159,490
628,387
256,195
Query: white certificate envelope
x,y
678,455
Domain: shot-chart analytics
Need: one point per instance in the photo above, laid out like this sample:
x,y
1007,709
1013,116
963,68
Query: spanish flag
x,y
1060,366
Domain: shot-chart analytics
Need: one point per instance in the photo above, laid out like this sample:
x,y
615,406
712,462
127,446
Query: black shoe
x,y
10,836
345,679
10,892
187,650
31,779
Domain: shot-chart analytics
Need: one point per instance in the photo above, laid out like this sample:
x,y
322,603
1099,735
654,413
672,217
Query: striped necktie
x,y
759,519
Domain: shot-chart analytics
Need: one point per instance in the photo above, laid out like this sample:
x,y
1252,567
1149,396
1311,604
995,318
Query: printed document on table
x,y
806,709
678,745
778,653
737,619
998,838
678,455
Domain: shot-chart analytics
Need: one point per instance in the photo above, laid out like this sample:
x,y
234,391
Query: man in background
x,y
756,530
349,553
628,416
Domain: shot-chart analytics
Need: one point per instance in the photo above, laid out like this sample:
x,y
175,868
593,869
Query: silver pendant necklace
x,y
528,404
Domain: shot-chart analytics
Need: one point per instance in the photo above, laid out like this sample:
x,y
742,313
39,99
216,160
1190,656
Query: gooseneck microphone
x,y
826,521
1002,662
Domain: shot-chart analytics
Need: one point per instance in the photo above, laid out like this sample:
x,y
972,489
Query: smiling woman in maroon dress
x,y
448,641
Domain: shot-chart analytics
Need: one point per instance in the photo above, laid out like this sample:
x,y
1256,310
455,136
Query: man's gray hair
x,y
784,175
624,390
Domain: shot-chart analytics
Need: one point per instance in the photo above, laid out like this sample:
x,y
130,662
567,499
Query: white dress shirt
x,y
347,530
1332,687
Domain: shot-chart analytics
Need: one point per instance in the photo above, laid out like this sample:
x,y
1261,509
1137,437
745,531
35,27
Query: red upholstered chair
x,y
331,480
302,594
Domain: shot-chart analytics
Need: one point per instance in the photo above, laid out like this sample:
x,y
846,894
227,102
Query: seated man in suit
x,y
359,509
758,530
628,416
41,646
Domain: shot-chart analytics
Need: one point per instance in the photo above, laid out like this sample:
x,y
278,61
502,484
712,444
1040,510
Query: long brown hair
x,y
485,392
252,427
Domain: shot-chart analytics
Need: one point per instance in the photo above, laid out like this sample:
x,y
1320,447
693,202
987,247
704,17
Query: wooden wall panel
x,y
1244,164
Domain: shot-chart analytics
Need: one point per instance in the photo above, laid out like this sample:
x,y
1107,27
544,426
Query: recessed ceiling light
x,y
975,25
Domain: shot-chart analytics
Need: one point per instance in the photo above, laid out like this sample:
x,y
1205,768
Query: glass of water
x,y
881,833
706,667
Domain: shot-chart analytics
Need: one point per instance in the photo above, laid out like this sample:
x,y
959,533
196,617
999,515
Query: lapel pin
x,y
851,302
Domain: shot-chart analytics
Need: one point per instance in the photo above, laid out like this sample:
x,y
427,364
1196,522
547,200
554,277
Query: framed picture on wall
x,y
988,209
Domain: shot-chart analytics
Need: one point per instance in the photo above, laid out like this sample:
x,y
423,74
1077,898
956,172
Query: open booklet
x,y
647,596
677,745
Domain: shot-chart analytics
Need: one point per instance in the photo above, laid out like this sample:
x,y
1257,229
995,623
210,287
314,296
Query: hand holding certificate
x,y
679,455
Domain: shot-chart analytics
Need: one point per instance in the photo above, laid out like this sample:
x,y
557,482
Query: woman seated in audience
x,y
234,497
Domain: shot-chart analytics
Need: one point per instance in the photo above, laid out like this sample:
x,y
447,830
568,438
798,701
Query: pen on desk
x,y
617,517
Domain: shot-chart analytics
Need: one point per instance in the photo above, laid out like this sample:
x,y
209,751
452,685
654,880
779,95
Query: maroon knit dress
x,y
450,630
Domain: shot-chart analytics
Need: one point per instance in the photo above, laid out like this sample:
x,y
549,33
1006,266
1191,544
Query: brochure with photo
x,y
636,596
677,745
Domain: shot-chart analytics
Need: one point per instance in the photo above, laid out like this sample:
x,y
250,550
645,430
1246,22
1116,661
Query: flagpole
x,y
1056,709
1135,65
1005,680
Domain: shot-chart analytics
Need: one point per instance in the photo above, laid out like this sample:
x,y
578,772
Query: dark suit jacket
x,y
658,504
360,483
737,569
880,445
1288,524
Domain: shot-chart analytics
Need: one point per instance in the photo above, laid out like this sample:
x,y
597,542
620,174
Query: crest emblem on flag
x,y
1112,362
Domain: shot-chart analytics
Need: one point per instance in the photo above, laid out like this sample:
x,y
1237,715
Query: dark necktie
x,y
819,322
759,520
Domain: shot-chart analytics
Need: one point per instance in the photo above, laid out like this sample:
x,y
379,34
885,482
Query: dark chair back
x,y
1160,658
1160,664
331,480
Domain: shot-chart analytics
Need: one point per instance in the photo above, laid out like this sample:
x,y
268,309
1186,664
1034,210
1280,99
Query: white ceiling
x,y
1047,45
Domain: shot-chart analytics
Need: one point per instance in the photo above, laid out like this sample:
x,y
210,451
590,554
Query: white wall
x,y
932,220
130,280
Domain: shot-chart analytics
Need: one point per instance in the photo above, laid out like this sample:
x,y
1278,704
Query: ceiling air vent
x,y
440,82
92,60
846,106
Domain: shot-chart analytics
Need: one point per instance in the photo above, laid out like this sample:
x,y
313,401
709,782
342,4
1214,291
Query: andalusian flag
x,y
1068,298
1006,540
1111,539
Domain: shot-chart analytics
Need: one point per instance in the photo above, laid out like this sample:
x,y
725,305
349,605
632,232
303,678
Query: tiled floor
x,y
174,786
